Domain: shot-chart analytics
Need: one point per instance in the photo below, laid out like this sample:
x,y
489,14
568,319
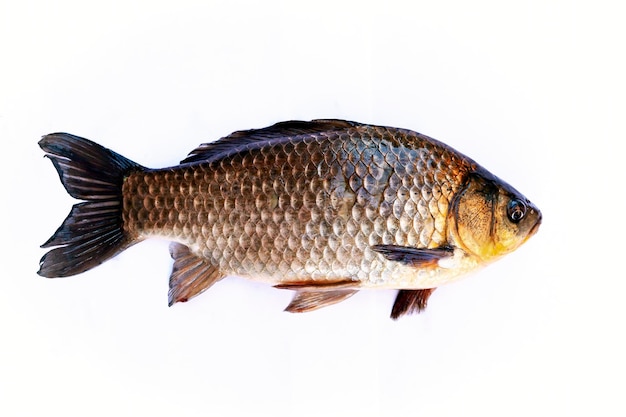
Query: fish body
x,y
325,208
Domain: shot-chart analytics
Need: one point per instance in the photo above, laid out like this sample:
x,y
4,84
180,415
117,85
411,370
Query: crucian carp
x,y
324,208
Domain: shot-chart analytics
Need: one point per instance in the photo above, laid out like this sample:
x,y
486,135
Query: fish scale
x,y
346,205
325,208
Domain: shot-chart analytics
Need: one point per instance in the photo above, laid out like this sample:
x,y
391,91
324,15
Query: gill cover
x,y
490,218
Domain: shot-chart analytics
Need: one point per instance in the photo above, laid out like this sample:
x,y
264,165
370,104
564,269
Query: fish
x,y
325,208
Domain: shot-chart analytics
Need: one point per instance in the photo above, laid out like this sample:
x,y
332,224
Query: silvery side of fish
x,y
325,208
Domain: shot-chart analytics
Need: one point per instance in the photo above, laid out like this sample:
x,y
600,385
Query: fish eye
x,y
516,210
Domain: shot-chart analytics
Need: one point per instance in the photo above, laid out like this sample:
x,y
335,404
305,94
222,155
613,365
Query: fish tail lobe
x,y
93,231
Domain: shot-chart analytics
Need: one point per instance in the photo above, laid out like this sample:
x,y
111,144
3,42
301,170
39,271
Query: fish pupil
x,y
516,210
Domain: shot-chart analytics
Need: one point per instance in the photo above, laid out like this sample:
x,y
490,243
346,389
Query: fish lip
x,y
535,227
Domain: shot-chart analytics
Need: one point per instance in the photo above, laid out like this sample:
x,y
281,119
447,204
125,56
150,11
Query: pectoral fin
x,y
191,274
410,301
304,301
414,256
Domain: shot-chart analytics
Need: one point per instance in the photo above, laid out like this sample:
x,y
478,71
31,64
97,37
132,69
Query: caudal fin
x,y
93,231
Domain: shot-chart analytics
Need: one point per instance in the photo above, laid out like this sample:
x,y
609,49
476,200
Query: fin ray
x,y
87,170
191,275
93,231
418,257
410,301
317,285
245,140
304,301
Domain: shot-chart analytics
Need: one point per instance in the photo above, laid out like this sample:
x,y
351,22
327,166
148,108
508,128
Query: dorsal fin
x,y
243,140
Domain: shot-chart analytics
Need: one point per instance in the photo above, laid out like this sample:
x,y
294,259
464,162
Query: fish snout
x,y
535,216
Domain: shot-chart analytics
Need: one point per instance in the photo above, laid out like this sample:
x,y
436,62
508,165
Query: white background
x,y
534,91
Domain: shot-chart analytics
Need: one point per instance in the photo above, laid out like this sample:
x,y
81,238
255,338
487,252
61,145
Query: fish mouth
x,y
535,227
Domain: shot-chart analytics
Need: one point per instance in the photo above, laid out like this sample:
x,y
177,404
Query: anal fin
x,y
191,274
304,301
410,301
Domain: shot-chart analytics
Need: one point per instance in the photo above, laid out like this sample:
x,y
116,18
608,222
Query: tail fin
x,y
93,231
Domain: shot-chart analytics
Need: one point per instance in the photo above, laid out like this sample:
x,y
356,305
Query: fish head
x,y
490,218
